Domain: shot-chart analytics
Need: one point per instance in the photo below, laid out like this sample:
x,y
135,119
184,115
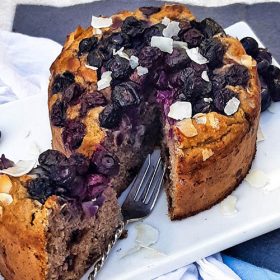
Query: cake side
x,y
208,166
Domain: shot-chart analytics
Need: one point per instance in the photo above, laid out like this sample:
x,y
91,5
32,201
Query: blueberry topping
x,y
193,37
87,45
91,100
5,163
147,11
155,30
95,58
133,27
274,87
265,96
49,158
58,113
237,75
210,27
62,175
73,134
218,82
177,59
71,94
221,97
40,189
272,73
264,59
126,94
161,80
213,50
80,162
149,56
61,82
110,117
119,40
250,45
201,106
178,79
105,163
119,66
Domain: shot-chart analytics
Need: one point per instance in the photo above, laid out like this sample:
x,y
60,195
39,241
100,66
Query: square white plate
x,y
180,242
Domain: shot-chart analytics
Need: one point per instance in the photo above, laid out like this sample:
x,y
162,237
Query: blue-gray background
x,y
56,23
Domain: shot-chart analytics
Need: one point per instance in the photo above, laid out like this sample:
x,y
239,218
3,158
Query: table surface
x,y
56,23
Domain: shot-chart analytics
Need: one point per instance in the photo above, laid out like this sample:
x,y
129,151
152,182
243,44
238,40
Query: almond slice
x,y
257,178
207,153
5,184
228,205
187,128
22,167
6,199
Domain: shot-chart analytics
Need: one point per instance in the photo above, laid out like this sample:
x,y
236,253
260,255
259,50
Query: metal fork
x,y
140,201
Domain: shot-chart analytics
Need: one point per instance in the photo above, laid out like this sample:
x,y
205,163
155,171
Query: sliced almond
x,y
21,168
6,199
5,184
214,122
247,61
200,118
260,135
187,128
257,178
207,153
228,205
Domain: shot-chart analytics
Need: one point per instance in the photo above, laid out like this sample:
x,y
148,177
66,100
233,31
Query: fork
x,y
139,202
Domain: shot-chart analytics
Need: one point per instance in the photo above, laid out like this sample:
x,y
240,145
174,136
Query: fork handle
x,y
100,261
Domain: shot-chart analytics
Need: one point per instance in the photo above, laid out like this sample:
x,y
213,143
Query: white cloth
x,y
24,71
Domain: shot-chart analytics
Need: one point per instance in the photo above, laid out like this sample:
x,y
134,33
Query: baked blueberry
x,y
119,40
193,37
266,98
250,45
221,97
147,11
133,27
154,30
110,117
179,78
201,106
126,94
80,162
213,50
71,94
271,73
237,75
274,87
177,59
73,134
87,44
95,58
62,175
150,56
209,27
58,113
91,100
161,81
49,158
61,82
119,66
264,59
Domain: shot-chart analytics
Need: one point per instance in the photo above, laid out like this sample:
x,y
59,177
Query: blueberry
x,y
133,27
161,81
237,75
71,94
110,117
40,189
210,27
274,87
266,99
126,94
91,100
180,96
178,79
264,59
49,158
250,45
198,68
58,113
201,106
105,162
221,97
61,82
5,163
119,66
154,30
149,56
73,134
95,58
63,175
271,73
80,162
184,26
87,44
77,188
213,50
218,82
177,59
147,11
119,40
193,37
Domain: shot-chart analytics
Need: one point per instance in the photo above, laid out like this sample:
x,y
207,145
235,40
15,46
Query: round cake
x,y
156,76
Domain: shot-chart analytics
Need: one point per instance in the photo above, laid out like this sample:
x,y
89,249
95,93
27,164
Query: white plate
x,y
181,242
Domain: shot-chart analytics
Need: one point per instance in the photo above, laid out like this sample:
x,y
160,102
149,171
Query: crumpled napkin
x,y
24,71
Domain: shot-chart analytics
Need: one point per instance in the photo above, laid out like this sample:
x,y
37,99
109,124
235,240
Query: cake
x,y
132,87
120,88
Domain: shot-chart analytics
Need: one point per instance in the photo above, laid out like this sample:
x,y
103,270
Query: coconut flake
x,y
180,44
133,61
228,205
6,199
207,153
172,29
21,168
166,21
232,106
91,67
121,53
101,22
105,80
214,122
163,43
142,70
195,56
187,128
208,100
146,235
204,76
200,118
260,135
180,110
5,184
257,178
